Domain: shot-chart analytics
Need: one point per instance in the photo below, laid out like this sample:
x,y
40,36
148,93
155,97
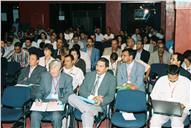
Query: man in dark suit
x,y
55,87
99,86
141,53
31,74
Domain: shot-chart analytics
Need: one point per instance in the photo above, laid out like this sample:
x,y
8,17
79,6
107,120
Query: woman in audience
x,y
80,63
43,38
47,58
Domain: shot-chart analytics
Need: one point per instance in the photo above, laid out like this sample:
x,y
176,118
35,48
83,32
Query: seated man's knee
x,y
56,116
177,123
36,115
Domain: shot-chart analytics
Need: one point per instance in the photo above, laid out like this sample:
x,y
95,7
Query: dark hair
x,y
76,50
44,34
180,57
42,44
18,44
2,52
154,38
71,57
130,51
187,55
115,39
173,69
114,56
28,39
89,38
141,41
48,46
36,54
106,61
76,46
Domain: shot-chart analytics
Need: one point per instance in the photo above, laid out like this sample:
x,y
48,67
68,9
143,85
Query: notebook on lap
x,y
167,108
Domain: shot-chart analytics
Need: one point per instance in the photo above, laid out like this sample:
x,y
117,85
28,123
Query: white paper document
x,y
23,85
47,106
128,116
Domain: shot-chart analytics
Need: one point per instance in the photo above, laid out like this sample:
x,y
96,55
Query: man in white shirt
x,y
75,72
172,87
99,35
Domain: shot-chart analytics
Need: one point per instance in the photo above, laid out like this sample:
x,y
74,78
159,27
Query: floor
x,y
48,125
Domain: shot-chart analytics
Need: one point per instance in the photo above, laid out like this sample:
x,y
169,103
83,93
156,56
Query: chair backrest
x,y
15,96
13,68
158,70
131,101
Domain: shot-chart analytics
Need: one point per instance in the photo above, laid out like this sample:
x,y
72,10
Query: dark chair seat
x,y
118,120
10,114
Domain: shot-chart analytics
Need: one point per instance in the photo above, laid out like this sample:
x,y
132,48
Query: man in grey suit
x,y
160,56
99,86
55,87
31,74
130,71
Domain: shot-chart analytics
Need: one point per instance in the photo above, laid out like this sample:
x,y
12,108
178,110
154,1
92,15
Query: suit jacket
x,y
145,55
108,51
154,58
64,87
35,75
137,75
94,58
107,87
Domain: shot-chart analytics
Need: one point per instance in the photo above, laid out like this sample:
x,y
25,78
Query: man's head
x,y
173,73
55,68
76,39
161,48
68,61
90,42
33,59
28,42
128,55
176,59
59,44
140,45
97,30
114,44
48,50
102,66
17,47
130,43
113,57
187,57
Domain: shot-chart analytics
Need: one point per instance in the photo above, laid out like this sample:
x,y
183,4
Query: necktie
x,y
95,85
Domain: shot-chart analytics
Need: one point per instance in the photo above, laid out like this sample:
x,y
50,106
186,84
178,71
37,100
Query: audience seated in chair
x,y
160,56
130,71
32,73
54,87
114,48
99,86
171,87
75,72
47,58
20,55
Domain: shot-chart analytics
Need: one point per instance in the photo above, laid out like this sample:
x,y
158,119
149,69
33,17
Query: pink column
x,y
183,27
170,20
113,15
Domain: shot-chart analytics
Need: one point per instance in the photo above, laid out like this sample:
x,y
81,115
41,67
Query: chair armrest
x,y
27,105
